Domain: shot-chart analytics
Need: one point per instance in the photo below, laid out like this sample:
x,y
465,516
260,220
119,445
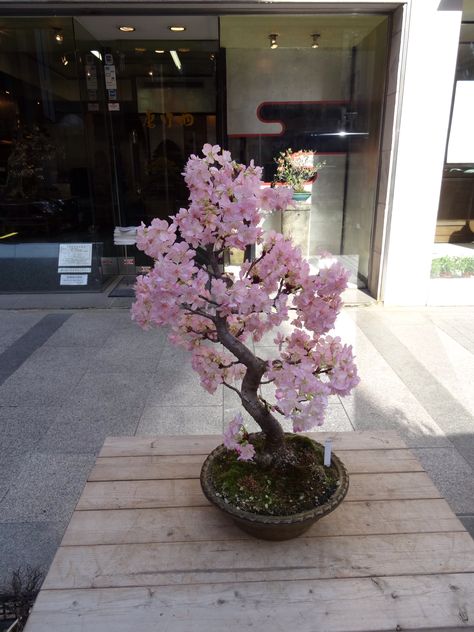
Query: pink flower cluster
x,y
236,438
226,204
226,200
308,371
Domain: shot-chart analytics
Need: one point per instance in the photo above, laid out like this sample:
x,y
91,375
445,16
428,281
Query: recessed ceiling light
x,y
159,51
59,36
177,28
126,29
140,50
184,50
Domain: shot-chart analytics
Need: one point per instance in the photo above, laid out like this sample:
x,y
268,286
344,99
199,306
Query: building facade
x,y
100,105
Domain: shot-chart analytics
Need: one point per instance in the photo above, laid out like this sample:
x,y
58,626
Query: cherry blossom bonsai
x,y
217,315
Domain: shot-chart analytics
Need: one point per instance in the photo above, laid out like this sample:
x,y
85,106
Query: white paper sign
x,y
75,255
73,279
74,270
110,78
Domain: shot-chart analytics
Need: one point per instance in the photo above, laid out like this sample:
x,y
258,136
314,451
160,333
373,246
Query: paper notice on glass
x,y
73,279
74,270
110,78
72,255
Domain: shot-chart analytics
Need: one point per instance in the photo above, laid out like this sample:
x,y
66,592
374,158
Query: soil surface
x,y
300,486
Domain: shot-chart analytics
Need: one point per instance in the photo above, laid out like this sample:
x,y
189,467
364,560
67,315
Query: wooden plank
x,y
203,444
424,602
160,564
136,468
187,492
207,523
158,467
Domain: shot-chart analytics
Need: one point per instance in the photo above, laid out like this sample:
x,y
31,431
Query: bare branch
x,y
233,388
198,312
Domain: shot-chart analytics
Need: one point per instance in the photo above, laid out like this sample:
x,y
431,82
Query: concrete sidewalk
x,y
68,379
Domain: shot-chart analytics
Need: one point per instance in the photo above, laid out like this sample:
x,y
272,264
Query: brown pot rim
x,y
304,516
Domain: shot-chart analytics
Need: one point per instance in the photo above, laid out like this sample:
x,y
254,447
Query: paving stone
x,y
60,359
451,474
175,385
85,329
78,431
118,388
172,420
39,388
125,357
46,488
408,418
31,544
13,324
468,522
22,427
19,351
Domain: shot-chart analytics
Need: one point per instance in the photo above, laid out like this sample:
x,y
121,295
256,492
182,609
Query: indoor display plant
x,y
273,484
296,169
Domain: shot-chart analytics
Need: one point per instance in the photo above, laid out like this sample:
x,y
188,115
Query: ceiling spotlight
x,y
64,60
150,73
58,36
126,29
159,51
177,28
315,37
273,40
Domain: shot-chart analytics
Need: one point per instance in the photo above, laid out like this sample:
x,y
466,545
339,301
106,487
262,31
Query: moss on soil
x,y
302,486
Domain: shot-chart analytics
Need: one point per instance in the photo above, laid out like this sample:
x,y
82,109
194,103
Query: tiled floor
x,y
95,374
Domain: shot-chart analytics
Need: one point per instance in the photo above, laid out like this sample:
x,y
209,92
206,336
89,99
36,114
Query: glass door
x,y
160,106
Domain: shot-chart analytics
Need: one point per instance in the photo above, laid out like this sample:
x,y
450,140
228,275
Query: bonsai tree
x,y
296,168
31,153
215,314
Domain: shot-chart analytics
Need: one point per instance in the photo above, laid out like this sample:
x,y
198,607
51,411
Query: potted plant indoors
x,y
296,169
273,484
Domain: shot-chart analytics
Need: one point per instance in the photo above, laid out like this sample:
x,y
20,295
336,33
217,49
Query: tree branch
x,y
198,312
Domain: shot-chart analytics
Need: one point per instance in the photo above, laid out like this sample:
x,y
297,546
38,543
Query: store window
x,y
453,252
95,129
313,84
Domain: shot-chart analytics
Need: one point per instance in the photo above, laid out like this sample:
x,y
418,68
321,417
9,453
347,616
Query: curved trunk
x,y
254,406
256,367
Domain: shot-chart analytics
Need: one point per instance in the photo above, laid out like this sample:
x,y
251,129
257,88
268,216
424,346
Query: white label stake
x,y
327,452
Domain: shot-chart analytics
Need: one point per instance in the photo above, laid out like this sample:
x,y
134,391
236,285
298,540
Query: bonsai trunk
x,y
251,401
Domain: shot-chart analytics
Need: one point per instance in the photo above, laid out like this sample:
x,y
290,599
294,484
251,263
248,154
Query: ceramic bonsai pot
x,y
271,527
301,196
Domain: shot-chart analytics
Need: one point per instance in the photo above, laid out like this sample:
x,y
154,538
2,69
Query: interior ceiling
x,y
336,31
150,27
468,10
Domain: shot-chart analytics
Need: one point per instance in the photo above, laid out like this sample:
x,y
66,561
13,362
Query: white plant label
x,y
327,452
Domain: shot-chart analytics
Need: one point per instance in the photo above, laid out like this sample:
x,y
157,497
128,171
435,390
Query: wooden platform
x,y
144,551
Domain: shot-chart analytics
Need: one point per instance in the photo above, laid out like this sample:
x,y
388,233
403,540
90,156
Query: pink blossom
x,y
226,205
